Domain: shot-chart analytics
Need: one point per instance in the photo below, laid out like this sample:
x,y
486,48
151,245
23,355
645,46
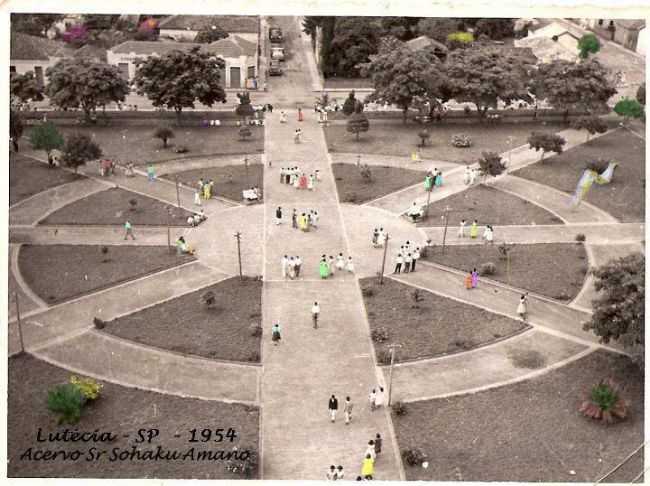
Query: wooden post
x,y
238,238
20,324
390,371
426,208
508,265
178,195
444,235
383,262
169,239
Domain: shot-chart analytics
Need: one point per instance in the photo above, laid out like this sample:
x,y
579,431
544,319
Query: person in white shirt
x,y
488,234
340,262
407,262
285,264
467,177
379,402
315,312
416,257
349,266
371,450
461,228
398,263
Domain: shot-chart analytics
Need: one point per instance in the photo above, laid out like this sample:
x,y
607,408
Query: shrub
x,y
99,324
460,140
383,357
209,299
67,400
490,163
379,335
504,250
358,123
164,134
368,291
417,297
399,408
133,203
629,108
413,457
546,142
605,402
78,149
256,329
488,268
89,388
366,173
580,237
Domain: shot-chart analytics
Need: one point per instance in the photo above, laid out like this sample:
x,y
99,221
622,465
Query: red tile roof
x,y
237,24
233,46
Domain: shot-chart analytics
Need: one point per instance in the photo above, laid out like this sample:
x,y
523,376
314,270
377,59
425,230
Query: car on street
x,y
275,68
275,34
277,53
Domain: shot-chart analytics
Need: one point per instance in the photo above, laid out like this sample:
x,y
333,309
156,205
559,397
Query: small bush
x,y
580,237
383,357
605,402
133,203
416,297
460,140
379,335
99,324
399,408
366,173
88,387
413,457
209,299
67,400
368,291
488,268
256,330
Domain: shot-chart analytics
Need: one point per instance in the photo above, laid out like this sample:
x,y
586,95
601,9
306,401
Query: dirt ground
x,y
529,431
57,273
556,270
120,411
437,326
186,326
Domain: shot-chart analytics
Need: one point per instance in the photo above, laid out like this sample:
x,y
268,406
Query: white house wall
x,y
191,34
24,66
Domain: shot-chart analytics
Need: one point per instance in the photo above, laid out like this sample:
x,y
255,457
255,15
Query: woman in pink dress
x,y
303,182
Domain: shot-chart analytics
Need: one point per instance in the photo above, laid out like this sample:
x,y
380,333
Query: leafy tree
x,y
400,75
76,35
490,163
483,76
86,84
495,29
402,28
357,124
546,142
628,108
46,136
569,86
439,29
588,44
592,124
640,94
79,149
164,134
179,79
67,400
244,108
15,128
99,21
352,105
148,30
33,24
211,34
25,87
355,40
619,310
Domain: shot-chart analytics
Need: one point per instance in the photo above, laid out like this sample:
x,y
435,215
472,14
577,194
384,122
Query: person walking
x,y
378,443
375,236
368,467
294,219
197,198
297,266
340,262
291,268
379,401
331,265
398,263
416,257
315,312
300,116
522,308
278,215
275,333
468,281
407,262
473,230
467,177
488,234
128,228
438,179
323,268
331,474
461,228
347,410
349,266
151,174
474,278
340,475
333,406
372,398
370,450
285,265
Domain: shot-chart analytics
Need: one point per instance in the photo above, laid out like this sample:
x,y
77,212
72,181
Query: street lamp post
x,y
383,262
20,324
390,371
238,238
444,234
178,194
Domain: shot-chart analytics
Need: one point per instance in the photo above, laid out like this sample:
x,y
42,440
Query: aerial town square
x,y
326,247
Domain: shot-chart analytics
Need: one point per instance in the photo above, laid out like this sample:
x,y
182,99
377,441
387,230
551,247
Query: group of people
x,y
182,247
471,176
407,257
304,221
378,238
488,232
433,179
204,190
471,279
196,218
291,266
106,167
294,177
328,266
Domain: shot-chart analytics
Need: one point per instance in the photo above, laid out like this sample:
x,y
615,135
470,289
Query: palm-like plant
x,y
605,402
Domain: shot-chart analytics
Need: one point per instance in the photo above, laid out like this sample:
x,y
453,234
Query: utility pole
x,y
178,194
20,324
169,239
426,209
390,371
508,264
383,261
444,235
358,160
246,168
238,238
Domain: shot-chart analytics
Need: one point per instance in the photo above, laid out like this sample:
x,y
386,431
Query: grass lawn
x,y
111,207
437,326
355,189
119,410
28,177
556,270
488,206
229,180
395,138
624,197
530,431
137,144
185,325
57,273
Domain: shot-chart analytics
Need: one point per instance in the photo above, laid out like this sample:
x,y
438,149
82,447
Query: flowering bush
x,y
461,140
89,388
76,35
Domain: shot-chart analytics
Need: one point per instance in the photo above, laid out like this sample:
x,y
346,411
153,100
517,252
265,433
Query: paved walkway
x,y
27,300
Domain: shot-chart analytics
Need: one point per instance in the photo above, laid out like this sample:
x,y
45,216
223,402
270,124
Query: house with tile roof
x,y
187,26
423,41
627,32
240,56
36,54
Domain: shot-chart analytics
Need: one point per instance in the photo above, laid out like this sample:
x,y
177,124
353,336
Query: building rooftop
x,y
24,47
229,23
424,41
232,46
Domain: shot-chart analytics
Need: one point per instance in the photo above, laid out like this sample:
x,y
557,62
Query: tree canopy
x,y
33,24
495,29
565,85
355,40
592,124
588,44
546,142
25,87
619,310
483,76
357,124
439,28
352,105
47,137
179,79
490,163
86,84
629,108
79,149
211,34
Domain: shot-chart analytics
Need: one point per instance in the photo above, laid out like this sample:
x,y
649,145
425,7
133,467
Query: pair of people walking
x,y
376,398
291,266
335,473
328,266
471,279
333,407
378,237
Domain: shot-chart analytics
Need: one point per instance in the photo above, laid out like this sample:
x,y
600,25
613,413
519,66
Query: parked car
x,y
275,34
275,68
277,53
